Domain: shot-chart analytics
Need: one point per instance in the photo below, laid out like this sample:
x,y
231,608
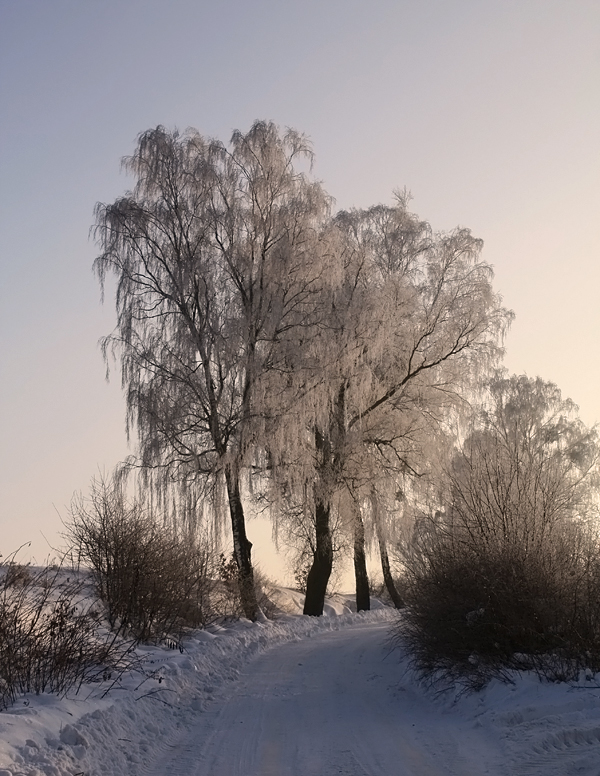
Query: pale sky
x,y
488,111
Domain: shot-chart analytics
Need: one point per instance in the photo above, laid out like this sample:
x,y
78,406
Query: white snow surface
x,y
301,696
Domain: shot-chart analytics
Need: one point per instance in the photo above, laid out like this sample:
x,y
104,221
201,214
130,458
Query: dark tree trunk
x,y
385,561
318,576
328,445
363,600
387,572
242,546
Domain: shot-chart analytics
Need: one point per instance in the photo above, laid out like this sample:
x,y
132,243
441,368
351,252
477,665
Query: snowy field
x,y
301,697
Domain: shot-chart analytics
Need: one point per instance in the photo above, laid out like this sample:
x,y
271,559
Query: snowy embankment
x,y
118,733
525,728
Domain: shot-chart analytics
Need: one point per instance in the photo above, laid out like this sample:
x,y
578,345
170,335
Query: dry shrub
x,y
507,574
300,568
226,599
15,574
478,610
154,583
50,640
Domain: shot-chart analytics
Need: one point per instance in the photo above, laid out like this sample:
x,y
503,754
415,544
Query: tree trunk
x,y
363,601
328,445
318,576
242,546
387,572
385,561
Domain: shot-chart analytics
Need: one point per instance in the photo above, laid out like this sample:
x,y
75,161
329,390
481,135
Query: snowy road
x,y
331,704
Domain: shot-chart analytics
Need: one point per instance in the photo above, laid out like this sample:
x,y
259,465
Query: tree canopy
x,y
257,333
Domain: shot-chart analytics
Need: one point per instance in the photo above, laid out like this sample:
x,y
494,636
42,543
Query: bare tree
x,y
527,465
411,317
215,252
253,331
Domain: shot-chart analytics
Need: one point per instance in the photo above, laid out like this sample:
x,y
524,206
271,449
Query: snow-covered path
x,y
300,696
331,704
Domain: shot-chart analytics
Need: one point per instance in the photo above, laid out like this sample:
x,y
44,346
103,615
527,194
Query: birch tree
x,y
528,466
215,253
412,315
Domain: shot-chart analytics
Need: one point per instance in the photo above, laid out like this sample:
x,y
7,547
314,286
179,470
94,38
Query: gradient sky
x,y
488,111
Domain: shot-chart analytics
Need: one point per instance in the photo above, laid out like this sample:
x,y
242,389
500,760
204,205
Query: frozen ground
x,y
301,697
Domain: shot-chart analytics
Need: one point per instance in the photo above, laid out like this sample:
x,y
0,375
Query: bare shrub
x,y
301,566
226,599
507,575
154,583
50,640
15,574
477,612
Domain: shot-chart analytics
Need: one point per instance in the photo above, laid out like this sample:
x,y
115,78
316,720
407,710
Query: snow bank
x,y
546,729
539,729
120,733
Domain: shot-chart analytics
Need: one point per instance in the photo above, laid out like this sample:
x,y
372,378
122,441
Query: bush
x,y
50,640
154,584
507,574
480,610
226,599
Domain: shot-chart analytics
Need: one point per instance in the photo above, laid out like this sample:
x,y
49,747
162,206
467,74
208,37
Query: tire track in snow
x,y
331,704
575,751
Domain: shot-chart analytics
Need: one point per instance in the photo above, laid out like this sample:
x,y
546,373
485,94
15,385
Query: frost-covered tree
x,y
527,466
505,573
216,255
257,334
410,315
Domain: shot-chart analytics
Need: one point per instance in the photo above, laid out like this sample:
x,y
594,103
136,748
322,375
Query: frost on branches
x,y
263,340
